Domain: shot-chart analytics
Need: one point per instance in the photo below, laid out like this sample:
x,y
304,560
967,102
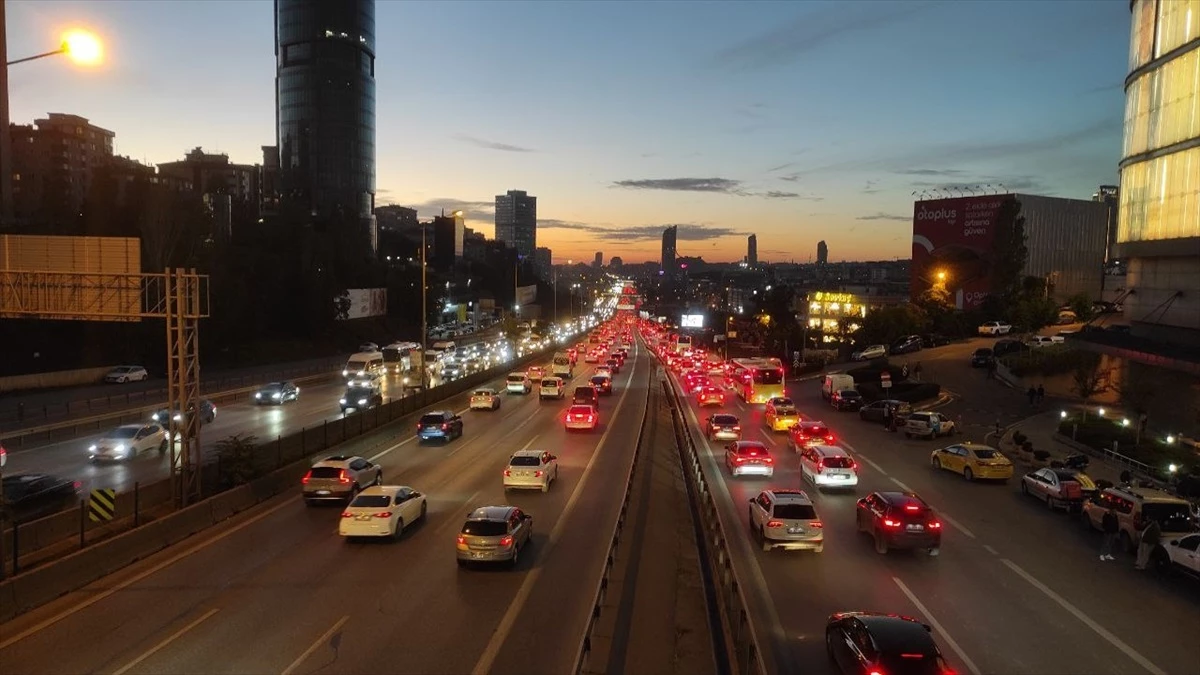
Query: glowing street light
x,y
81,46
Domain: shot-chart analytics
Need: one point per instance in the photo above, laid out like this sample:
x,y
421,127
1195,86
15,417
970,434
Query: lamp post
x,y
424,316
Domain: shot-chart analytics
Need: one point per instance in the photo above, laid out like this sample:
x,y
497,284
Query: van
x,y
552,387
445,346
835,382
517,383
828,466
364,365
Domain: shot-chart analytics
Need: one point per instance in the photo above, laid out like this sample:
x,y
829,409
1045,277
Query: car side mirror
x,y
1175,543
752,500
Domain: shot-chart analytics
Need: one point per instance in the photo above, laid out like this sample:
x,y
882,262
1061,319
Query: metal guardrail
x,y
745,646
585,646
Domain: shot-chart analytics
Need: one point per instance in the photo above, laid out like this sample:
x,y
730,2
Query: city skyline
x,y
613,171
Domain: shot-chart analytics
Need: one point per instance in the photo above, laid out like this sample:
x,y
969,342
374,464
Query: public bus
x,y
757,380
397,357
681,343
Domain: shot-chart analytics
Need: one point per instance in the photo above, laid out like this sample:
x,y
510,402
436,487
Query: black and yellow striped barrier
x,y
102,505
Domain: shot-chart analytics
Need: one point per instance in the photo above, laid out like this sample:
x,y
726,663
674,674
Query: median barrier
x,y
53,379
8,601
43,584
227,503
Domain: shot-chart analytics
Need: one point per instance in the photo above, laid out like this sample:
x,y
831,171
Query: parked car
x,y
847,399
995,328
869,352
123,374
906,344
928,424
931,340
876,411
1058,488
1006,347
1038,341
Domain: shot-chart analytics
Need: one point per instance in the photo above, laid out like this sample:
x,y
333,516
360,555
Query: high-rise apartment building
x,y
752,250
449,235
325,114
53,163
667,261
516,222
598,261
215,174
822,253
397,218
543,262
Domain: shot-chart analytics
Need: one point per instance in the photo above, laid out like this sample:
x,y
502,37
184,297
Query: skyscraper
x,y
543,262
599,261
752,250
822,253
667,262
325,114
516,222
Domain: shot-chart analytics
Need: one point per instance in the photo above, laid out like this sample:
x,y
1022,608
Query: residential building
x,y
752,250
616,263
598,261
53,164
215,174
325,116
449,233
667,261
474,245
516,221
397,218
543,263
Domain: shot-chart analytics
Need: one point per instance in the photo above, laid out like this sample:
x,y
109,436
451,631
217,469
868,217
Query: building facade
x,y
516,222
215,174
822,253
598,261
449,233
397,218
667,261
752,250
53,164
325,114
1158,226
543,262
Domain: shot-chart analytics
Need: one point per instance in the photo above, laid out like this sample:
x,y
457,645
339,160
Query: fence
x,y
37,541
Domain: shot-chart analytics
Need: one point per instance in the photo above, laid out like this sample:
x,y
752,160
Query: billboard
x,y
952,245
526,295
359,303
691,321
105,282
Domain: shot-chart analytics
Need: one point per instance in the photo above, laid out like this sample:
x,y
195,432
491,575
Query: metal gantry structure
x,y
180,296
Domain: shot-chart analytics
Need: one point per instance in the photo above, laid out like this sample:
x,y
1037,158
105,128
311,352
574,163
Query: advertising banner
x,y
691,321
952,245
526,295
359,303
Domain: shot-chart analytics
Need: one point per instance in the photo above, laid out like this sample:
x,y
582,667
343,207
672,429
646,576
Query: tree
x,y
884,325
1087,380
1136,388
235,460
1031,314
1011,254
1081,304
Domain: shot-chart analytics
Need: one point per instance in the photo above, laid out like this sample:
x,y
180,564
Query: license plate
x,y
837,475
795,530
915,528
363,518
478,554
322,492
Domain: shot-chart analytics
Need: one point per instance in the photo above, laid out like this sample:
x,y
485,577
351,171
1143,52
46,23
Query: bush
x,y
235,460
1099,433
909,392
869,373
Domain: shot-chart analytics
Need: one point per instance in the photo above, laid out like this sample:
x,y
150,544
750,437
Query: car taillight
x,y
738,460
888,522
462,539
768,460
307,477
445,426
347,514
507,472
817,524
876,672
343,477
384,514
774,523
506,541
737,428
538,474
912,508
591,418
78,484
829,438
935,525
418,426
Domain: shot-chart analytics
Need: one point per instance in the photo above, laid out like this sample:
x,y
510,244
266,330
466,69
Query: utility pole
x,y
516,287
424,315
555,271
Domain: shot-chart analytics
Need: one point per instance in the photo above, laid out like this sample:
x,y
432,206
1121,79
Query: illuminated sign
x,y
822,296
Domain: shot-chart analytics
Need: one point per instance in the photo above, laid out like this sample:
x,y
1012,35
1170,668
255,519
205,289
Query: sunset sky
x,y
794,121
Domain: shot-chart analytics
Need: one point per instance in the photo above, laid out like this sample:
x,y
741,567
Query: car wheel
x,y
937,463
424,511
461,563
378,478
163,447
881,545
516,558
968,474
1050,502
546,485
1160,560
1024,488
399,531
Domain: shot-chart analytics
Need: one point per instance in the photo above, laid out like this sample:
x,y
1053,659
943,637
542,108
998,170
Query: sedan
x,y
749,458
868,353
1058,488
123,374
531,469
208,413
723,427
846,399
581,417
972,460
382,511
277,392
28,496
710,395
128,441
872,642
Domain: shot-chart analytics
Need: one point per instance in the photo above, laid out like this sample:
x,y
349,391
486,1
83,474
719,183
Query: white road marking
x,y
325,637
42,625
866,459
166,641
488,657
938,627
991,550
1087,621
957,525
770,440
902,486
376,457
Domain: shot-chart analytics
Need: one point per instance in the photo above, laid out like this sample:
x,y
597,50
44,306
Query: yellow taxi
x,y
781,414
973,460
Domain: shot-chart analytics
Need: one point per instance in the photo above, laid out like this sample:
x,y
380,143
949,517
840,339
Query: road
x,y
1016,589
279,591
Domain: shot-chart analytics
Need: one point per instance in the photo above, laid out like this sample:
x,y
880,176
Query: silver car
x,y
531,469
494,534
786,519
339,478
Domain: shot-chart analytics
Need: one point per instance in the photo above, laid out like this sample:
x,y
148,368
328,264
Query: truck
x,y
563,366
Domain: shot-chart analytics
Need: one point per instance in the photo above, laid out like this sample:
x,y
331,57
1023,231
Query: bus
x,y
757,380
681,343
397,357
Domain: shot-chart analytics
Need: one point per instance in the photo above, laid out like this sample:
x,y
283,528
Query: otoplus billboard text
x,y
953,246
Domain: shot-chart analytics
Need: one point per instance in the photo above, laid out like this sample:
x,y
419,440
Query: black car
x,y
846,399
208,413
875,411
613,365
28,496
360,397
602,384
906,344
872,642
931,340
1005,347
899,520
586,395
277,393
982,358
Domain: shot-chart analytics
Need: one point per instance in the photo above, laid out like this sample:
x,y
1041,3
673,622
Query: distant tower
x,y
599,261
516,222
669,239
822,253
752,250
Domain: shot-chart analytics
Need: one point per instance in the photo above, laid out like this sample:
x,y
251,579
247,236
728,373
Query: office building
x,y
752,250
268,181
325,116
449,234
822,253
397,218
1109,195
667,261
215,174
53,165
516,222
598,261
543,263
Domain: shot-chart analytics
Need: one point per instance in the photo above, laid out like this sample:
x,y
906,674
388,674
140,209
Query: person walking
x,y
1111,527
1032,394
1041,394
1150,538
887,417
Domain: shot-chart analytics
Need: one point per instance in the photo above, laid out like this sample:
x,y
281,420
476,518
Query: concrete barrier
x,y
232,501
8,602
44,584
58,378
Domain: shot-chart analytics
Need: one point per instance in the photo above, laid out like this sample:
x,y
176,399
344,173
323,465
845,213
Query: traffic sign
x,y
885,380
3,457
102,505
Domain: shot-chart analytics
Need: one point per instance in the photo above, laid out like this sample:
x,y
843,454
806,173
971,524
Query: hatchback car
x,y
982,358
710,395
972,460
128,441
809,433
869,352
382,511
613,365
1058,488
780,414
531,469
443,425
723,427
277,393
340,477
749,458
123,374
485,399
846,399
828,466
899,520
494,534
602,384
786,519
871,642
582,417
361,395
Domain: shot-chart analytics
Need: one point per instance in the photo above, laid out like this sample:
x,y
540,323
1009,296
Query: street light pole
x,y
555,270
424,315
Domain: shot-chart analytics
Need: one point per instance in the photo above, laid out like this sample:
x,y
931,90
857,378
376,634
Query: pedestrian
x,y
1041,394
917,371
887,417
1032,394
1111,527
1126,477
1150,538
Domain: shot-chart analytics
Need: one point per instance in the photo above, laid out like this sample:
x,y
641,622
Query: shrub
x,y
909,392
869,373
1099,433
235,460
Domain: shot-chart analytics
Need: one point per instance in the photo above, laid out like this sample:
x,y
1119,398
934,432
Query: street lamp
x,y
80,46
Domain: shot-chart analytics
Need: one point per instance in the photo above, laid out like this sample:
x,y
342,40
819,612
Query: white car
x,y
786,519
552,387
485,399
517,383
1180,553
531,470
995,328
128,441
828,466
382,511
1046,340
123,374
871,352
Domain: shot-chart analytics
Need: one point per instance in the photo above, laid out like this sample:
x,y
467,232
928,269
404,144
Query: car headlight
x,y
342,401
92,448
257,395
276,396
178,417
362,401
154,417
120,449
345,373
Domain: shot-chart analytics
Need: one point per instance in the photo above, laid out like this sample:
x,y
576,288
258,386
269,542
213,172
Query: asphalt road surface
x,y
1017,588
276,590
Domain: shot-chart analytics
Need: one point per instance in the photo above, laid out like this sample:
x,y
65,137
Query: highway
x,y
276,590
1016,589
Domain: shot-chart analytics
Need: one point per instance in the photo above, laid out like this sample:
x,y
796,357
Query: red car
x,y
710,395
809,433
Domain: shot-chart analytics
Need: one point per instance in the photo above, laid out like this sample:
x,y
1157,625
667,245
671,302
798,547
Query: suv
x,y
786,519
1135,507
517,383
440,424
928,425
586,395
828,466
552,387
360,395
847,399
899,520
494,534
339,477
208,413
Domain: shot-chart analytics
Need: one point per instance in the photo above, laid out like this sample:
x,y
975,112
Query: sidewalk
x,y
1040,430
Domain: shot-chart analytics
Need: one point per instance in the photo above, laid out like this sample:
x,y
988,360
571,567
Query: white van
x,y
552,387
364,365
517,383
835,382
445,346
828,466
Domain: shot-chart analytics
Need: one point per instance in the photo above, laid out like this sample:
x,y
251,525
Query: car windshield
x,y
986,454
274,386
784,403
549,383
850,393
516,378
752,449
795,512
838,462
815,430
600,380
524,461
371,501
432,419
768,376
724,419
1165,511
485,528
482,392
123,432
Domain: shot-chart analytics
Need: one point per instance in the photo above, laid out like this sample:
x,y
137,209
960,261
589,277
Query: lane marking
x,y
46,623
903,486
956,525
1087,621
770,440
168,640
868,460
938,627
488,657
991,550
325,637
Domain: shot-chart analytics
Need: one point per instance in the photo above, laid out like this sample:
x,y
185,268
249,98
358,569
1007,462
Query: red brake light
x,y
507,472
829,438
591,418
912,656
774,523
768,460
78,484
912,508
342,477
506,541
303,481
817,524
935,525
738,428
347,514
875,672
888,522
384,514
538,473
445,426
462,539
